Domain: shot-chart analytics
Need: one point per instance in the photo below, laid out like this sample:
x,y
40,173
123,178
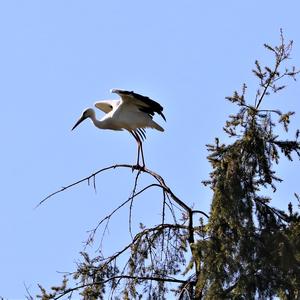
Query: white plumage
x,y
132,112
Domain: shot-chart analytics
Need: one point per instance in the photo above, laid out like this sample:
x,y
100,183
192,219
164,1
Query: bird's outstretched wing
x,y
144,104
106,105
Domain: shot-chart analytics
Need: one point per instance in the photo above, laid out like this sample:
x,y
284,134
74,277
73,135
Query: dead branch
x,y
140,169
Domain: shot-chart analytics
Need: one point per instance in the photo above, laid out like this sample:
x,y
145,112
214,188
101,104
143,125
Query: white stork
x,y
132,112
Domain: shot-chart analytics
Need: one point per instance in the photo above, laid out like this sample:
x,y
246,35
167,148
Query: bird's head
x,y
88,113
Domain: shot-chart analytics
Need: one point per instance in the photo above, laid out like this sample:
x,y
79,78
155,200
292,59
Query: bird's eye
x,y
110,106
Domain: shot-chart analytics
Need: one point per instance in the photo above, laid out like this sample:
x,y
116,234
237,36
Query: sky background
x,y
59,57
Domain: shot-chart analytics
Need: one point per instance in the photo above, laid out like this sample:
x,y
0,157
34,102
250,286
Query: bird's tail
x,y
156,126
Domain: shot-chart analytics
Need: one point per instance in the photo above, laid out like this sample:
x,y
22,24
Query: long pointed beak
x,y
78,122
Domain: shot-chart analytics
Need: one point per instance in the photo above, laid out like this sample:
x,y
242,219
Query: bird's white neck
x,y
98,123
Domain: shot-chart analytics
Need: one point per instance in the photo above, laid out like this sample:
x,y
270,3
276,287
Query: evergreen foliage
x,y
244,249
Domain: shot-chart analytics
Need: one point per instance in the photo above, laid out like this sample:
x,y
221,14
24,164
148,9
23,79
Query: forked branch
x,y
157,177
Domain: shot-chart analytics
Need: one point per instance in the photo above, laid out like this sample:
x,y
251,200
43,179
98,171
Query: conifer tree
x,y
249,251
245,248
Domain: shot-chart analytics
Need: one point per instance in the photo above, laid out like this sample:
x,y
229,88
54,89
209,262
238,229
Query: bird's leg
x,y
140,133
142,154
138,152
136,137
140,148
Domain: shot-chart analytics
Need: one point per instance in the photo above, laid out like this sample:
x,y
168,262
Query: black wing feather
x,y
141,133
153,108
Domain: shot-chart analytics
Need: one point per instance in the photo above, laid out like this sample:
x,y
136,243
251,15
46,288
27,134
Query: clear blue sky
x,y
59,57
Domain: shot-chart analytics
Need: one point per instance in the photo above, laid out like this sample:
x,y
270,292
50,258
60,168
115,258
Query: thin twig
x,y
131,202
201,212
80,181
93,232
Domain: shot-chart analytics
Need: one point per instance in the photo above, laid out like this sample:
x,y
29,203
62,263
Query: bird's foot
x,y
138,167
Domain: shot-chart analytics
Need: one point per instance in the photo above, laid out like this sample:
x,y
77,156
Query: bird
x,y
132,112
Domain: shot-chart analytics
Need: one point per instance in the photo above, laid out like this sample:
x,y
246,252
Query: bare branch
x,y
140,169
131,167
107,218
131,202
